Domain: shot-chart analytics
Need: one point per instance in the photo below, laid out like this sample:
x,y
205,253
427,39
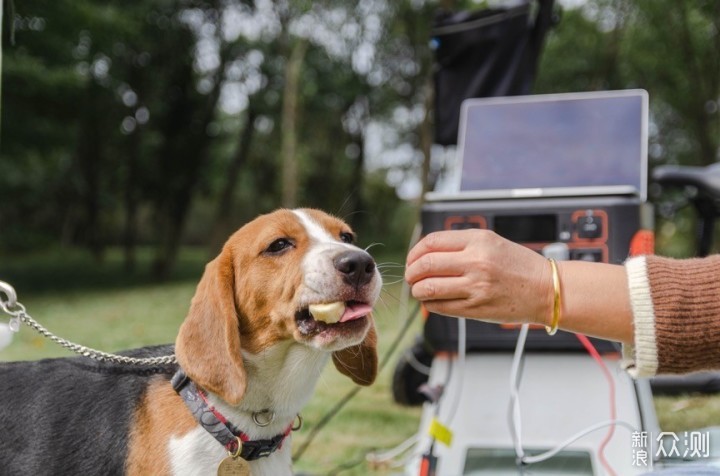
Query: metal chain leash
x,y
16,310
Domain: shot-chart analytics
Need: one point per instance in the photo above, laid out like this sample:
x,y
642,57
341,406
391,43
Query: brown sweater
x,y
676,315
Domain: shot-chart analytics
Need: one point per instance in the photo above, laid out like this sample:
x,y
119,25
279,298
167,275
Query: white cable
x,y
460,372
387,455
514,410
515,415
550,453
404,462
416,364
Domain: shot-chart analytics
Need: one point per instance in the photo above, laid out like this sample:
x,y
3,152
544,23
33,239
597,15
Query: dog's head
x,y
260,291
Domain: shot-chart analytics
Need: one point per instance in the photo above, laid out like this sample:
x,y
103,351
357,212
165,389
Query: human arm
x,y
665,311
477,274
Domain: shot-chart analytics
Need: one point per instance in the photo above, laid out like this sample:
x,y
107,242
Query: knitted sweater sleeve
x,y
676,315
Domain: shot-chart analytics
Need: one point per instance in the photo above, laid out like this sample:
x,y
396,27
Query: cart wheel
x,y
411,372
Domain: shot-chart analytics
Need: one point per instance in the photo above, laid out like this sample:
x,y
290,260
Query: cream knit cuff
x,y
640,359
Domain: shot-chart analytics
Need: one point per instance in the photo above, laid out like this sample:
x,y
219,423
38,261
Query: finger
x,y
437,241
432,289
447,307
436,264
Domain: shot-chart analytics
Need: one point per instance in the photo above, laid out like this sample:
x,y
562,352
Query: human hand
x,y
478,274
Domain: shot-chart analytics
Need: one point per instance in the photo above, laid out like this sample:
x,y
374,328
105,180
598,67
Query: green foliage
x,y
159,123
116,130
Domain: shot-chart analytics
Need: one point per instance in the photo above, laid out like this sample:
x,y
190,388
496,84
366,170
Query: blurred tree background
x,y
151,125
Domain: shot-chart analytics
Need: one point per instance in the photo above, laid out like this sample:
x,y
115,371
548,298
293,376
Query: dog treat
x,y
329,313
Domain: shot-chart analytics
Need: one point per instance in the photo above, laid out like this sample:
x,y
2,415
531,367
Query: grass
x,y
688,412
96,306
107,320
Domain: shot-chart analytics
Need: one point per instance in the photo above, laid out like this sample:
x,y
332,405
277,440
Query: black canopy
x,y
485,53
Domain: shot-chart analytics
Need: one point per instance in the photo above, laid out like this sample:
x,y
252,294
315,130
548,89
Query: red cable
x,y
613,410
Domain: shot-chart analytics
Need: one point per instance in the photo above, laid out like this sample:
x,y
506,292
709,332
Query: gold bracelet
x,y
552,329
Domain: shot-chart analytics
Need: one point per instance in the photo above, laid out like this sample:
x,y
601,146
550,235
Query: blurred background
x,y
136,136
164,123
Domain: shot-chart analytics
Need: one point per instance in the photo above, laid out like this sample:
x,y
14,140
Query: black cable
x,y
349,396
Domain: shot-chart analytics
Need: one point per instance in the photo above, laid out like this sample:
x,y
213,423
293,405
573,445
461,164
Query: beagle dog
x,y
288,292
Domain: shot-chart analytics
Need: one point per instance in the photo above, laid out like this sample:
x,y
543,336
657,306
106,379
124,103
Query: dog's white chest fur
x,y
276,388
199,454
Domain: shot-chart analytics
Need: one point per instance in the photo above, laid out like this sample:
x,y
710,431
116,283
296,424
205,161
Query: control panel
x,y
594,229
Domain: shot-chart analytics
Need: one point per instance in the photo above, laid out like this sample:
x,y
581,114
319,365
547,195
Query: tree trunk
x,y
221,226
426,138
356,203
175,206
131,201
289,160
89,158
133,177
184,153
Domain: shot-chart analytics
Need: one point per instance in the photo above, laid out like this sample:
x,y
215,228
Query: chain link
x,y
15,309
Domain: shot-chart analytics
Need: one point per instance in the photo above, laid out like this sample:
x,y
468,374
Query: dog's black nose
x,y
356,267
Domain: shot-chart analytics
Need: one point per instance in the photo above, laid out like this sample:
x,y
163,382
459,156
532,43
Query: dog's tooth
x,y
329,313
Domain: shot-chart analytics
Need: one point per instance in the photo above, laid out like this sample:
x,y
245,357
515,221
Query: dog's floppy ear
x,y
208,344
359,362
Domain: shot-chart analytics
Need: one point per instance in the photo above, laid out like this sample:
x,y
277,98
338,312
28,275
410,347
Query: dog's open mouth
x,y
317,318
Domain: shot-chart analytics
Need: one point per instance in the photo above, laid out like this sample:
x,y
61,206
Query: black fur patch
x,y
71,415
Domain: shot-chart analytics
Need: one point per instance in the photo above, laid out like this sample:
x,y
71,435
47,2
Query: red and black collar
x,y
219,427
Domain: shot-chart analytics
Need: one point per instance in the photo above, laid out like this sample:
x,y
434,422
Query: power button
x,y
589,227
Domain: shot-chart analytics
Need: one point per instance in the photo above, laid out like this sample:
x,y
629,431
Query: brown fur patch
x,y
359,362
266,285
160,415
208,344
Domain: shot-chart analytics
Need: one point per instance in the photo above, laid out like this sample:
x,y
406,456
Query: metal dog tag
x,y
233,467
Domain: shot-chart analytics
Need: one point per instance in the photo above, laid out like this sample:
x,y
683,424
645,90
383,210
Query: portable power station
x,y
568,172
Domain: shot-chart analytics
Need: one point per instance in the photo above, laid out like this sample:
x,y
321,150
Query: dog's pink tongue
x,y
355,311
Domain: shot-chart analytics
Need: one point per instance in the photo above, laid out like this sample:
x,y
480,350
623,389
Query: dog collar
x,y
219,427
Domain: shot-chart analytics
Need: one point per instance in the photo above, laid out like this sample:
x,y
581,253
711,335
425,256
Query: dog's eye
x,y
347,237
278,246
